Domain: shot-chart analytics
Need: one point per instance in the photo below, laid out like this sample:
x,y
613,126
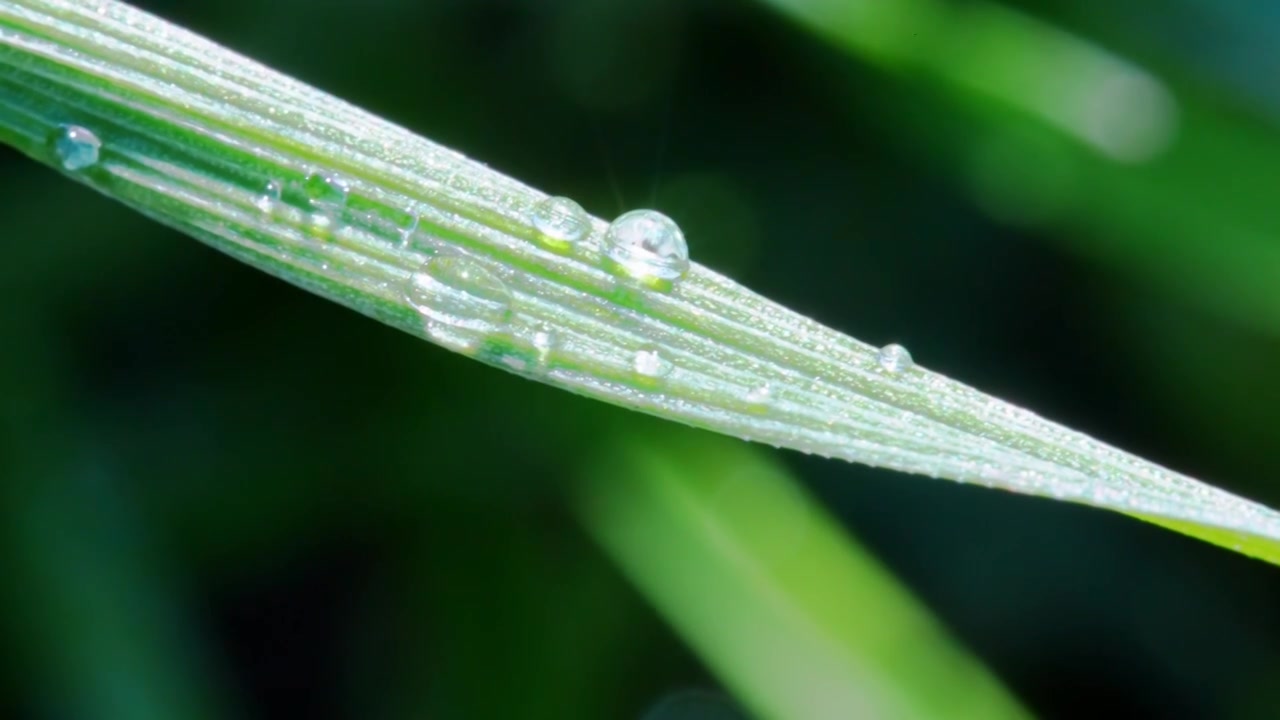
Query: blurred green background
x,y
224,498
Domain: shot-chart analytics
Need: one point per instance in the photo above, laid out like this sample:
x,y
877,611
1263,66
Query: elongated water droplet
x,y
560,222
649,363
544,343
515,362
648,246
326,191
458,294
77,147
411,227
894,358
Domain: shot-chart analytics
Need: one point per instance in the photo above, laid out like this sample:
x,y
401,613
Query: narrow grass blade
x,y
337,201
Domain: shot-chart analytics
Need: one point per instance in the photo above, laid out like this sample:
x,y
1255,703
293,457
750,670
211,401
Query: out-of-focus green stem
x,y
1049,128
96,626
796,618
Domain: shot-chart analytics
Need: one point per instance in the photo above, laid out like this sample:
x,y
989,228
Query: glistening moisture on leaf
x,y
358,210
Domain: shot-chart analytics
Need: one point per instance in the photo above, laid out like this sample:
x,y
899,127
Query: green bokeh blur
x,y
224,498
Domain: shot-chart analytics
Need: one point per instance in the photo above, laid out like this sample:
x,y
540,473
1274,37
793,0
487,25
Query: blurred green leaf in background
x,y
223,498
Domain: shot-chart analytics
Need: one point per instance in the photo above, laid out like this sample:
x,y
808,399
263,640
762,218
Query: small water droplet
x,y
560,222
77,147
456,293
544,343
760,395
648,246
326,191
271,193
894,358
649,363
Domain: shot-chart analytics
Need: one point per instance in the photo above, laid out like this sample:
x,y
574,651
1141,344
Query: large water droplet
x,y
77,147
649,363
648,246
894,358
560,222
457,293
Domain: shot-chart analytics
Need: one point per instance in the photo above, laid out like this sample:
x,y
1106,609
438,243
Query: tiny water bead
x,y
560,222
77,147
648,246
649,363
270,196
894,358
760,395
457,292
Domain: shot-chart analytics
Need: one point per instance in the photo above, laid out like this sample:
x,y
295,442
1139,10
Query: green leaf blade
x,y
194,135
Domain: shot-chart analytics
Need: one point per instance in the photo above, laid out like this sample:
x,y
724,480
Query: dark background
x,y
322,518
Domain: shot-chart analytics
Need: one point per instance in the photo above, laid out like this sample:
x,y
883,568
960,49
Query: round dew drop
x,y
648,246
560,222
458,293
894,358
77,147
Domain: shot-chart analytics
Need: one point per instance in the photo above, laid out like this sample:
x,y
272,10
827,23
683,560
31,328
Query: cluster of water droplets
x,y
644,246
325,201
464,304
461,302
